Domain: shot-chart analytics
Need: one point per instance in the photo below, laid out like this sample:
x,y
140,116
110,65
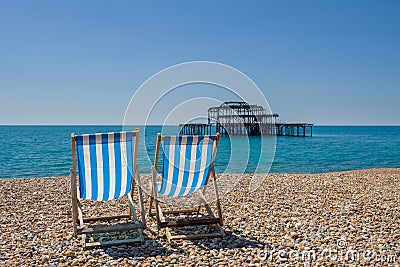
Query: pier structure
x,y
241,118
294,129
197,129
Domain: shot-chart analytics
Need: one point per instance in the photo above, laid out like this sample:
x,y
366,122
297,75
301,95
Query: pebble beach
x,y
332,219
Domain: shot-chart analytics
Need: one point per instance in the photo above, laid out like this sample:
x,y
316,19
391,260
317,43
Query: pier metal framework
x,y
241,118
294,129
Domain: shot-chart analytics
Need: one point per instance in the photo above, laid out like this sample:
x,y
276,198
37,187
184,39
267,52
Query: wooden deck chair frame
x,y
160,214
79,220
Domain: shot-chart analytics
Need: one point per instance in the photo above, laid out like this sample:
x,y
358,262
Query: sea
x,y
45,151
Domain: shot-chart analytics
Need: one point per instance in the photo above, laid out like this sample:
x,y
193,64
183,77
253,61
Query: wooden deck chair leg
x,y
140,192
206,205
136,179
74,201
151,203
117,228
74,187
131,195
211,214
219,233
202,191
80,215
154,193
217,196
135,219
153,197
198,210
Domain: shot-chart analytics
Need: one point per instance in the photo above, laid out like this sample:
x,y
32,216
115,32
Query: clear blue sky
x,y
79,62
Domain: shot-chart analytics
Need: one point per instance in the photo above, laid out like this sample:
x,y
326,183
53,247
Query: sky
x,y
81,62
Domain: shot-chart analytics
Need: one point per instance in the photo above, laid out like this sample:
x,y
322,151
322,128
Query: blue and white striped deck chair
x,y
107,170
188,162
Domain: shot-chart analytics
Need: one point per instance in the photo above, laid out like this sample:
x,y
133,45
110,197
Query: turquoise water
x,y
41,151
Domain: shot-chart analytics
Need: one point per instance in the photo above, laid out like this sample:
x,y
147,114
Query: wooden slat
x,y
189,222
110,228
105,218
112,243
183,211
173,213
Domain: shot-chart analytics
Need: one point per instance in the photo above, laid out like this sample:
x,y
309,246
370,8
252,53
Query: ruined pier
x,y
241,118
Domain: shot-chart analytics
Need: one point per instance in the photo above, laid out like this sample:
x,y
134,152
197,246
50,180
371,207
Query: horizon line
x,y
140,125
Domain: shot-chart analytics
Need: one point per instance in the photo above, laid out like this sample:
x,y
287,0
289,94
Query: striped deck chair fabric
x,y
105,165
186,164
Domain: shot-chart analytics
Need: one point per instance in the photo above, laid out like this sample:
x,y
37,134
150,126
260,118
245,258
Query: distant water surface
x,y
42,151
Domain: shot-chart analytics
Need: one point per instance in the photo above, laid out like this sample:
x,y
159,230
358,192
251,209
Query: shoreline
x,y
289,213
286,173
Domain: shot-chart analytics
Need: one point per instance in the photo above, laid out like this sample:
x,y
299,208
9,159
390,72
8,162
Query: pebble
x,y
288,213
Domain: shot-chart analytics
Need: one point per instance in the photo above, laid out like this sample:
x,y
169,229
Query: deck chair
x,y
188,163
107,170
